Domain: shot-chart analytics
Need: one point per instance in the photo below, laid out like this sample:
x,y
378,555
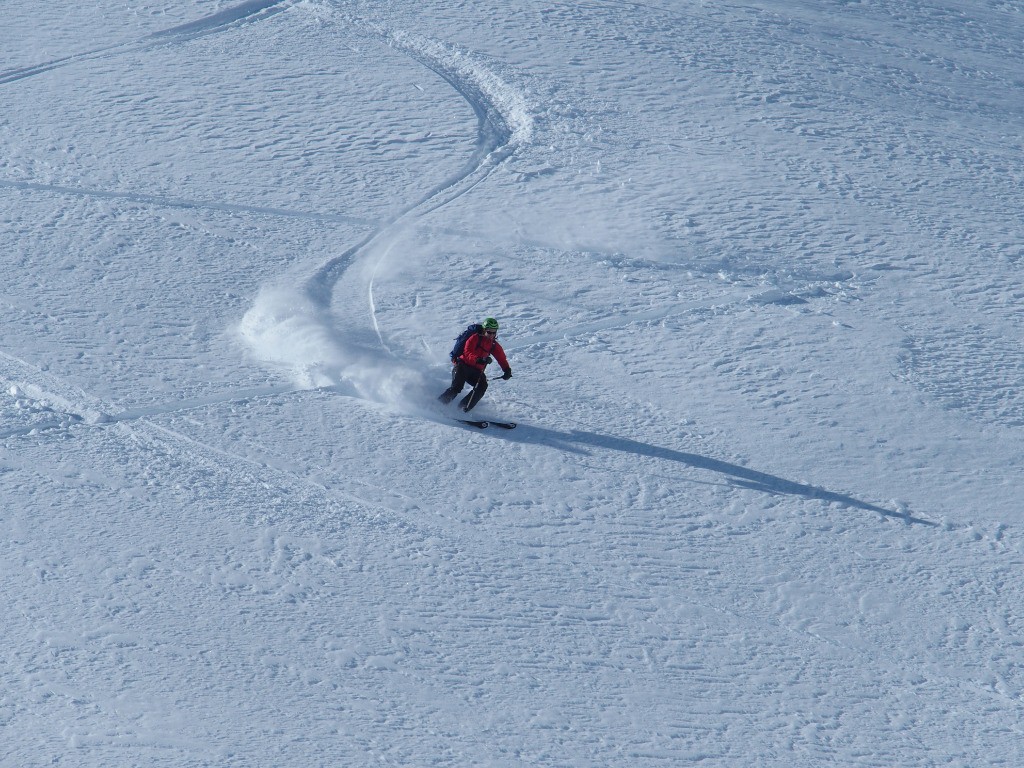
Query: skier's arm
x,y
499,355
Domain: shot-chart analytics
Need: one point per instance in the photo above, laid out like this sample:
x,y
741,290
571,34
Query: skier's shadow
x,y
578,441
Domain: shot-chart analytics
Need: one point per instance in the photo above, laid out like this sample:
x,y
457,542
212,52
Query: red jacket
x,y
480,347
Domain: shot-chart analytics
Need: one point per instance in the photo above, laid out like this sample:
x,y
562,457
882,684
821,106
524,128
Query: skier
x,y
469,364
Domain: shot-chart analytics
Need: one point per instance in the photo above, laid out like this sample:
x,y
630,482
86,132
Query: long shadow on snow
x,y
246,12
578,441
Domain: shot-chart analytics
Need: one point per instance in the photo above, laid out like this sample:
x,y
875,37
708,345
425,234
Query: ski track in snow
x,y
298,329
168,202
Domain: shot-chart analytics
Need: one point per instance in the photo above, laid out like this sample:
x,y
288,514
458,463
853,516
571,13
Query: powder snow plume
x,y
286,329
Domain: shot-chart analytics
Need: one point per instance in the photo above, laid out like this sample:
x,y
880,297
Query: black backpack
x,y
460,341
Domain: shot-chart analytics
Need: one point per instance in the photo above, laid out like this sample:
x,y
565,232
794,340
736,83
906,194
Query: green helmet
x,y
490,324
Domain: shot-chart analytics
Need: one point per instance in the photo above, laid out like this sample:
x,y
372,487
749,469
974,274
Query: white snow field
x,y
759,266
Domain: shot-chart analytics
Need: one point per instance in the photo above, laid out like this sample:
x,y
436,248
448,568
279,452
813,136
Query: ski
x,y
486,424
472,423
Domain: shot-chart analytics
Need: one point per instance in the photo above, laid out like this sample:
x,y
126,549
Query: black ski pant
x,y
463,374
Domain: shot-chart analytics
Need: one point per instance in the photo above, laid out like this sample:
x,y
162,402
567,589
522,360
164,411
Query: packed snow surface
x,y
759,268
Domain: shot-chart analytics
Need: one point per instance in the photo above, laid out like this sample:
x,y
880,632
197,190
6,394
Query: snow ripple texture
x,y
758,267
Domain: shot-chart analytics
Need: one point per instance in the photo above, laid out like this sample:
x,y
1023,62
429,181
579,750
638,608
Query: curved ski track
x,y
494,144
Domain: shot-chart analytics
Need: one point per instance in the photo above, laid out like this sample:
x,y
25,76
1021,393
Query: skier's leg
x,y
458,382
473,379
469,401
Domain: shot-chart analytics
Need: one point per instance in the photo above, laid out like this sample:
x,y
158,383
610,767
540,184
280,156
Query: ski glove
x,y
508,374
